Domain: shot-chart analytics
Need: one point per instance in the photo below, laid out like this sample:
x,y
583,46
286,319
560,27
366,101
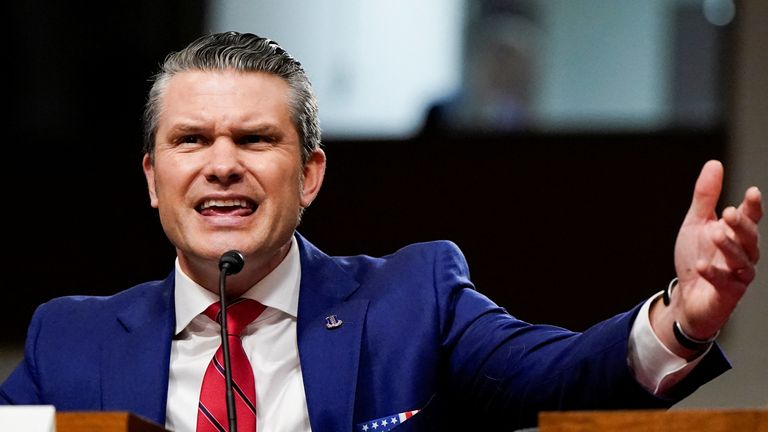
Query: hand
x,y
714,259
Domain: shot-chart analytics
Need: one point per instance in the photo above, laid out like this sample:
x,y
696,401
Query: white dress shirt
x,y
655,367
271,345
269,342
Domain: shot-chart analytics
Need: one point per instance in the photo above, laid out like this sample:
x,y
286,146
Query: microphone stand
x,y
231,413
230,263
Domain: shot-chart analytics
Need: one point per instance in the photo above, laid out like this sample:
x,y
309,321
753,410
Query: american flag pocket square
x,y
385,424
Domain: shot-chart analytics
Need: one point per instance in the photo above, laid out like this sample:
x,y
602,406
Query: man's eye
x,y
190,139
254,139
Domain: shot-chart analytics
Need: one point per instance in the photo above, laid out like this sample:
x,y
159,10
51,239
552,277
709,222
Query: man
x,y
232,159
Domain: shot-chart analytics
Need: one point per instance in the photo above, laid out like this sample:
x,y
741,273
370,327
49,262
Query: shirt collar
x,y
279,290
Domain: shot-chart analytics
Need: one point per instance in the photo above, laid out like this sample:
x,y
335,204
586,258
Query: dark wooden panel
x,y
565,229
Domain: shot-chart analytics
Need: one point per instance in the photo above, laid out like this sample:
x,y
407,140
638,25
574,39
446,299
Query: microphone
x,y
231,262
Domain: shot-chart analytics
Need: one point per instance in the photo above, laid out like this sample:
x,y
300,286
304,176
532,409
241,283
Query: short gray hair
x,y
243,52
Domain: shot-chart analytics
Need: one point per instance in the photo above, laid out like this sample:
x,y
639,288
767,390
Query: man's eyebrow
x,y
260,128
185,128
266,129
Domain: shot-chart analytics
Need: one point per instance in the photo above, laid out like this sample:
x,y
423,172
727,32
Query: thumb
x,y
707,191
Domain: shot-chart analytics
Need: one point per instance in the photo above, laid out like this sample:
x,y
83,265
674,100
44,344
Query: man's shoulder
x,y
415,261
414,254
426,249
96,305
430,247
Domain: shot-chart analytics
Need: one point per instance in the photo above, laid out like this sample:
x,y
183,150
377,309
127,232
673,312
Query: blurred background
x,y
557,143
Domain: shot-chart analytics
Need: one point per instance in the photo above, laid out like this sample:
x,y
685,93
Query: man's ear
x,y
149,174
314,172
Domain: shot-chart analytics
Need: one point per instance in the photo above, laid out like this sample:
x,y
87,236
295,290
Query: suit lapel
x,y
329,356
135,361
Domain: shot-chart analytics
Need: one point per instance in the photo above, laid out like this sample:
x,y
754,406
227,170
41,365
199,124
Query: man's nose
x,y
224,164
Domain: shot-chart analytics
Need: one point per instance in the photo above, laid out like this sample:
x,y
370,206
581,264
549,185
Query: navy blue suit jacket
x,y
415,335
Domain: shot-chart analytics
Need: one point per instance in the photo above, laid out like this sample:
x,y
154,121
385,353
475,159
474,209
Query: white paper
x,y
28,418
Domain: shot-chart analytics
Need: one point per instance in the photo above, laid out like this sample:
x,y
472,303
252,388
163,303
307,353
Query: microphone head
x,y
231,262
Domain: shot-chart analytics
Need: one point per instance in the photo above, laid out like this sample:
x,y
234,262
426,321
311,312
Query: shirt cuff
x,y
654,366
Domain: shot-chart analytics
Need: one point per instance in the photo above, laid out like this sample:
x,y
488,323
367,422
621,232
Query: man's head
x,y
243,52
233,154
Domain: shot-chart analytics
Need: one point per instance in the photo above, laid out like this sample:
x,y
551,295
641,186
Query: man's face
x,y
227,172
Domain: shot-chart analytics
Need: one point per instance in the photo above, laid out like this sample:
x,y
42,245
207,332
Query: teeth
x,y
224,203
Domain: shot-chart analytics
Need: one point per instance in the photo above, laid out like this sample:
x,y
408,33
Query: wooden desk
x,y
104,422
715,420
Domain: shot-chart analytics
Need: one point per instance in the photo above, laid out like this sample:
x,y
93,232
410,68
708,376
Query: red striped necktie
x,y
212,409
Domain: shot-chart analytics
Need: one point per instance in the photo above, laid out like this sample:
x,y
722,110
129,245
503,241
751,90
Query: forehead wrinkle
x,y
226,106
197,122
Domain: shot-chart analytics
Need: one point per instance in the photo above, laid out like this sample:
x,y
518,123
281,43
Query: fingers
x,y
735,256
752,204
728,283
707,191
742,223
743,230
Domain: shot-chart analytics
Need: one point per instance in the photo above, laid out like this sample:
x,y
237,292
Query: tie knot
x,y
240,313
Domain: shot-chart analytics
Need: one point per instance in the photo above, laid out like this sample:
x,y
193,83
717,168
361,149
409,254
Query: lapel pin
x,y
332,322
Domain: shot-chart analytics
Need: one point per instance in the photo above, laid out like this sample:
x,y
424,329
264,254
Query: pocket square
x,y
384,424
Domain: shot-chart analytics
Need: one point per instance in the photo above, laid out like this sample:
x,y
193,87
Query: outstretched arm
x,y
714,260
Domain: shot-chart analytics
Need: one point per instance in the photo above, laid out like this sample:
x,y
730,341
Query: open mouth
x,y
228,207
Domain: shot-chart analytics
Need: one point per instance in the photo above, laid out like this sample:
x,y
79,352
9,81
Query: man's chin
x,y
213,250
